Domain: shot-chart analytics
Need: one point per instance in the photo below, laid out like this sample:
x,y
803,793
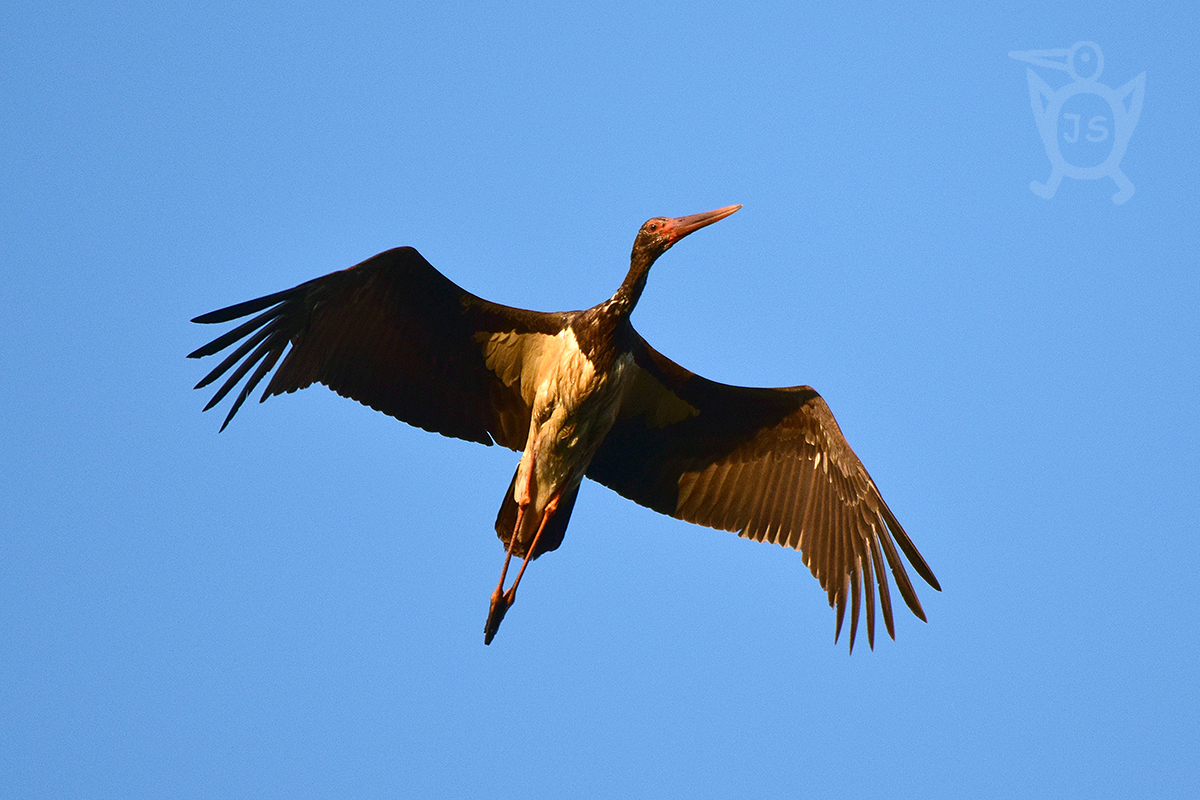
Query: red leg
x,y
507,558
501,599
551,507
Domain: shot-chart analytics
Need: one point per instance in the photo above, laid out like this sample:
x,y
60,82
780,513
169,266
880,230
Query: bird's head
x,y
655,238
657,235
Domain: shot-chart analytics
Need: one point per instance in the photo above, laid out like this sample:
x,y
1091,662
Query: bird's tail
x,y
552,536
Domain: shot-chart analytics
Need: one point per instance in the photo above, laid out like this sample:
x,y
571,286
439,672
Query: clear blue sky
x,y
295,607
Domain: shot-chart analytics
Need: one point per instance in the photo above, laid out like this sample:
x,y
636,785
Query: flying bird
x,y
581,394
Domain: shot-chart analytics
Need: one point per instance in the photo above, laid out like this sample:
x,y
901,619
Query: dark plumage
x,y
580,393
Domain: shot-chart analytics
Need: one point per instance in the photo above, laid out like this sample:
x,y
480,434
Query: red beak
x,y
680,227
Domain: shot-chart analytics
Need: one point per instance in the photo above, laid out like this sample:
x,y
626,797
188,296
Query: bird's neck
x,y
630,291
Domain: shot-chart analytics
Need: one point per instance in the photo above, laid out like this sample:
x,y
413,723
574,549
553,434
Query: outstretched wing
x,y
770,464
395,334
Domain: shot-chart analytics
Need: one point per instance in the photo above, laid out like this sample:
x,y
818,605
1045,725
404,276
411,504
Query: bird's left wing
x,y
394,334
769,464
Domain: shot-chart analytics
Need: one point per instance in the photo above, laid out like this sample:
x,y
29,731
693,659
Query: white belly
x,y
573,410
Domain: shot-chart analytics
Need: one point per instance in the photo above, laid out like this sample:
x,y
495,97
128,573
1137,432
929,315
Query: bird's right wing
x,y
769,464
394,334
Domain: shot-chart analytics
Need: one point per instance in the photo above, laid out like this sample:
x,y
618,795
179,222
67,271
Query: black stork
x,y
580,393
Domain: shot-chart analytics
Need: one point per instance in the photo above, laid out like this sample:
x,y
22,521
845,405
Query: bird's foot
x,y
500,603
